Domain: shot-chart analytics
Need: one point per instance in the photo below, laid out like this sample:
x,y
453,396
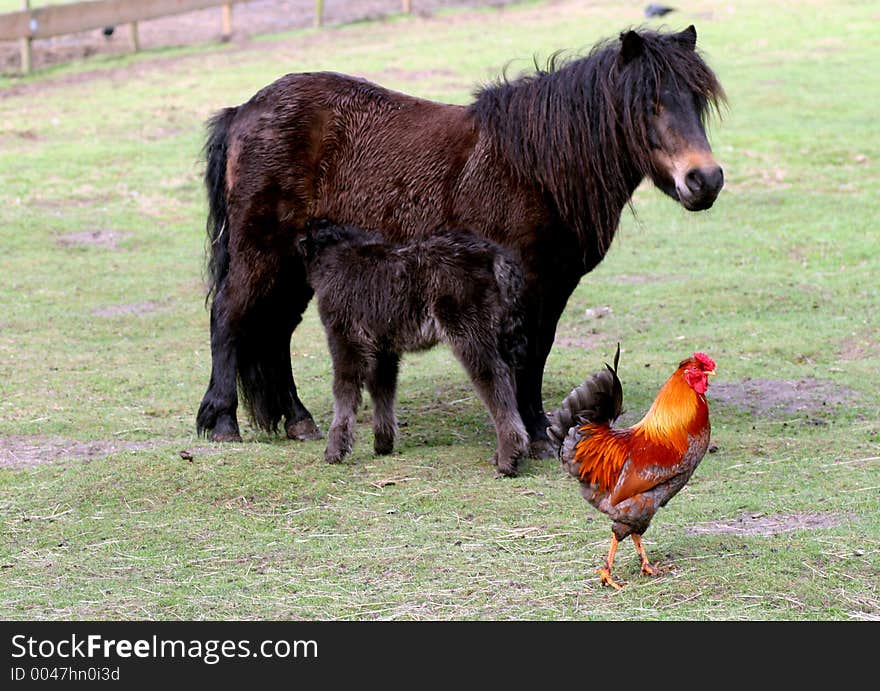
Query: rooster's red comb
x,y
707,363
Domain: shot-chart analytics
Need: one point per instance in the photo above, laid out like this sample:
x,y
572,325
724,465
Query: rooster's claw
x,y
605,577
652,569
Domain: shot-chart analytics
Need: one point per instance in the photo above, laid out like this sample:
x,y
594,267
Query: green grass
x,y
778,281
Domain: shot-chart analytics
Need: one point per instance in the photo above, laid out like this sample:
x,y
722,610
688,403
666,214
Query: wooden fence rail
x,y
55,20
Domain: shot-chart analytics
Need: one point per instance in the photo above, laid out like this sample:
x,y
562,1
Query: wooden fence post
x,y
24,45
407,6
227,21
133,33
319,12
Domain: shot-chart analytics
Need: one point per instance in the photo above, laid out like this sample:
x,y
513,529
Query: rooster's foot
x,y
652,569
605,577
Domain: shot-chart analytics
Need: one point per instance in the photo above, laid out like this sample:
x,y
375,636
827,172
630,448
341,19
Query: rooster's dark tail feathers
x,y
599,400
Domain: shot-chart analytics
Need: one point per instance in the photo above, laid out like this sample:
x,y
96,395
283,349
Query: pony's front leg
x,y
296,292
217,412
529,384
543,310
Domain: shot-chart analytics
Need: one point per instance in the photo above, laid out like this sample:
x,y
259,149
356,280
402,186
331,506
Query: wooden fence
x,y
55,20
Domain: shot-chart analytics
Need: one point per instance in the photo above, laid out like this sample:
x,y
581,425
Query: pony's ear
x,y
688,37
631,46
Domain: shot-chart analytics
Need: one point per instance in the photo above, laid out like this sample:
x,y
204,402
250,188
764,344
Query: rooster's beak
x,y
709,374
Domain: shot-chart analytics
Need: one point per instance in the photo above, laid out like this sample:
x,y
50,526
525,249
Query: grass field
x,y
104,353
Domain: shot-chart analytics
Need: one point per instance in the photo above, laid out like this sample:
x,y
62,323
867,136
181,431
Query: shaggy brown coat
x,y
378,300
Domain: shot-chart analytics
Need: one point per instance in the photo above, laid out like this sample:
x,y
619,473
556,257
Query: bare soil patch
x,y
779,396
137,309
860,346
18,452
759,524
582,342
107,239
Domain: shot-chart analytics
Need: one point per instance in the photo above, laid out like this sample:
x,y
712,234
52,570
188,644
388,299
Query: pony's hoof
x,y
225,436
542,449
303,430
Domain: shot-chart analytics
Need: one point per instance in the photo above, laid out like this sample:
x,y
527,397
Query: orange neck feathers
x,y
658,439
678,411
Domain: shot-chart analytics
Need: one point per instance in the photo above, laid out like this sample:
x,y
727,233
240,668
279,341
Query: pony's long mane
x,y
580,127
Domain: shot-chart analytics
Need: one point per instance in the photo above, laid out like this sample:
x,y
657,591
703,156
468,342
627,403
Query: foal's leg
x,y
494,382
349,372
382,385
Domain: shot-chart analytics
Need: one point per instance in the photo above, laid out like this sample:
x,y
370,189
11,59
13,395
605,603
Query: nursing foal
x,y
378,300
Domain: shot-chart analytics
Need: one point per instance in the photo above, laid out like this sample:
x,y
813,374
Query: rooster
x,y
629,473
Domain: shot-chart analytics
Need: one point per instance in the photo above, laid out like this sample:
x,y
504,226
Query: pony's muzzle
x,y
701,187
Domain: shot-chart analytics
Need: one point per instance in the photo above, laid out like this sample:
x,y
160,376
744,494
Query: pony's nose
x,y
705,180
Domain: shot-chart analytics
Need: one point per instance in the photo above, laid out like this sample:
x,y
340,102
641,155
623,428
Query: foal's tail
x,y
215,182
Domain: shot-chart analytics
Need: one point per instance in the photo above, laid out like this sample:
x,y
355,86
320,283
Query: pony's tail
x,y
215,181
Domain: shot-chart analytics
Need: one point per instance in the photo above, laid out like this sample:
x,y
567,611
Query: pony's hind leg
x,y
382,385
263,298
217,411
349,372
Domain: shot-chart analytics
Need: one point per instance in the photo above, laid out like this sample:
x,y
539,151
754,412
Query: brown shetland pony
x,y
543,165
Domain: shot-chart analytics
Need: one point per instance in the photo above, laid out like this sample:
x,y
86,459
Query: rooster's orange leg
x,y
605,571
647,569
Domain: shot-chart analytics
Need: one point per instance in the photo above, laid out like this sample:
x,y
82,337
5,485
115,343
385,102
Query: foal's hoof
x,y
542,449
333,457
303,430
505,468
383,447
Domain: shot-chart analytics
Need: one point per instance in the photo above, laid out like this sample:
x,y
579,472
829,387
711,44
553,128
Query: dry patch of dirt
x,y
137,309
759,524
768,396
860,346
18,452
108,239
582,342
